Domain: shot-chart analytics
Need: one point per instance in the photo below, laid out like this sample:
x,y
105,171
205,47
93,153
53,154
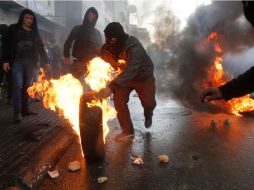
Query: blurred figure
x,y
243,84
21,49
87,42
5,78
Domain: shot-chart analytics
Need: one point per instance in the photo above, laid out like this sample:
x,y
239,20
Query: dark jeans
x,y
22,73
78,69
146,92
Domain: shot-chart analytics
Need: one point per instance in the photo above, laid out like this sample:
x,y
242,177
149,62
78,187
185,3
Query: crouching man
x,y
136,74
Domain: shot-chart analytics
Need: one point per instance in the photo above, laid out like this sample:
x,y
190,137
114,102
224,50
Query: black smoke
x,y
186,70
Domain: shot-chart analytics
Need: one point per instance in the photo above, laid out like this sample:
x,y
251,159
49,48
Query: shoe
x,y
17,117
27,113
148,122
124,136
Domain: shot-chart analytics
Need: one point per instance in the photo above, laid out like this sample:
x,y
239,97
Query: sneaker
x,y
148,122
28,112
17,117
124,136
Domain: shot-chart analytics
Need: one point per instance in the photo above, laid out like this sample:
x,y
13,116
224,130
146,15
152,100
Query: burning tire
x,y
91,131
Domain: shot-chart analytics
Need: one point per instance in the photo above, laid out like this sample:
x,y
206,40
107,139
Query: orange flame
x,y
100,73
217,77
63,95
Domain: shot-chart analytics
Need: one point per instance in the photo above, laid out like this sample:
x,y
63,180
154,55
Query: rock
x,y
227,122
53,174
214,123
137,160
102,179
74,166
163,158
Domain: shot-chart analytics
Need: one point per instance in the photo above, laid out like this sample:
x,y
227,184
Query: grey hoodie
x,y
139,65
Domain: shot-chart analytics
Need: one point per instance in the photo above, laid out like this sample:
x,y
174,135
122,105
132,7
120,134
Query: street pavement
x,y
202,155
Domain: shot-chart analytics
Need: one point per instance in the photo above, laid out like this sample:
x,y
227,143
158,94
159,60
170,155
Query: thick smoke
x,y
184,73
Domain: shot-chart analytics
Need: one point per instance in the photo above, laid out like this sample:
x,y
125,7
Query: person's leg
x,y
9,87
146,92
121,98
28,77
17,79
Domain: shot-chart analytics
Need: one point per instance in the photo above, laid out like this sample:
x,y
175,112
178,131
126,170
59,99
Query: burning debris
x,y
163,158
63,95
74,166
198,52
102,179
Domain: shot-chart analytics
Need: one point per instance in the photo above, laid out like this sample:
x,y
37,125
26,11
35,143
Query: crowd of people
x,y
23,52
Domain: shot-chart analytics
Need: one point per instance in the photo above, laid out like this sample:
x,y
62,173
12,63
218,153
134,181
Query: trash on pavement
x,y
53,174
102,179
163,158
74,166
137,160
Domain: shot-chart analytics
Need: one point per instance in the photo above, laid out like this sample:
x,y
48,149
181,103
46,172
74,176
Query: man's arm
x,y
242,85
68,42
42,53
6,46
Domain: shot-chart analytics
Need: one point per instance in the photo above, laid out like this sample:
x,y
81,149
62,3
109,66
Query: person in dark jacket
x,y
136,74
21,50
5,77
243,84
87,42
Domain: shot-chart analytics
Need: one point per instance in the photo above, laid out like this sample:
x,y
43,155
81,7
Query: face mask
x,y
114,46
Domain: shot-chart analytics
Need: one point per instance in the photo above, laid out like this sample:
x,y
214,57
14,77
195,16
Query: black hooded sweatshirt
x,y
27,45
86,37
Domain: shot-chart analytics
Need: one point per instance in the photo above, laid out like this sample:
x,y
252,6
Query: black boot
x,y
17,117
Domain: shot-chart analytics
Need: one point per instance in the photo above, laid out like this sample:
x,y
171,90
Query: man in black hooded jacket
x,y
243,84
87,42
22,47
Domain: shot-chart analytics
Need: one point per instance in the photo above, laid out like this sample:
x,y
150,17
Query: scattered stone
x,y
74,166
163,158
102,179
227,122
194,157
53,174
214,123
137,160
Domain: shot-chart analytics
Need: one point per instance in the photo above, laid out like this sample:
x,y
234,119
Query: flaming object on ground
x,y
217,77
63,94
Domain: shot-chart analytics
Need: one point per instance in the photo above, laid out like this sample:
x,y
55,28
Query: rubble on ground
x,y
74,166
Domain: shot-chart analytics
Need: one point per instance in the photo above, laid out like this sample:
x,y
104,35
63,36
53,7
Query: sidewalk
x,y
30,148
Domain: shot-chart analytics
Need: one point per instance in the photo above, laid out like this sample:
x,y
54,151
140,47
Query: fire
x,y
60,95
217,77
63,95
99,74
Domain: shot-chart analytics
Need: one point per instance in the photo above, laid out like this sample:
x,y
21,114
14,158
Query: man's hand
x,y
93,95
6,67
103,93
209,94
67,61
